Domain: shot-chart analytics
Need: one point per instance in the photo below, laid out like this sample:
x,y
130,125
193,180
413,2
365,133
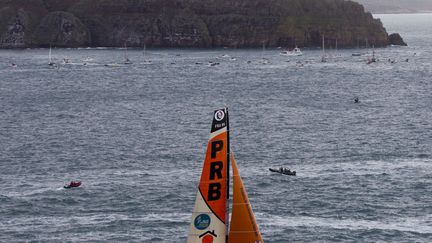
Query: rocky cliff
x,y
186,23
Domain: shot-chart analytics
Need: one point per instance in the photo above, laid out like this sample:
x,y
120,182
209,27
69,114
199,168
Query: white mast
x,y
323,59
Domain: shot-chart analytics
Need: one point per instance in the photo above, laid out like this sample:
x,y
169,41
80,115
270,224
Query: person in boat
x,y
73,184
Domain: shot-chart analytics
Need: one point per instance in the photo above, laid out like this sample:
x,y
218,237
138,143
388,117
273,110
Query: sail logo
x,y
202,221
216,168
219,115
208,237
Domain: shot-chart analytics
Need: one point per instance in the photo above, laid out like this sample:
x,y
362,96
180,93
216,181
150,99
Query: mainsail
x,y
210,214
243,227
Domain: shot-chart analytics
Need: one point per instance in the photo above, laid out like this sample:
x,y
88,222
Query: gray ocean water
x,y
135,135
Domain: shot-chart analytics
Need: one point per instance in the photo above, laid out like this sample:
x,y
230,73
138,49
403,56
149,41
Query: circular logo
x,y
219,115
202,221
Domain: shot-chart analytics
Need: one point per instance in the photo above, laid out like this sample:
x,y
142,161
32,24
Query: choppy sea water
x,y
135,136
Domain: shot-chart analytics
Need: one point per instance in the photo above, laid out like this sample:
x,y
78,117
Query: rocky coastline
x,y
189,23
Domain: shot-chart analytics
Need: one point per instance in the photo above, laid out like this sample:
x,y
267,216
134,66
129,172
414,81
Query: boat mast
x,y
336,46
125,53
50,59
323,46
323,50
228,175
144,51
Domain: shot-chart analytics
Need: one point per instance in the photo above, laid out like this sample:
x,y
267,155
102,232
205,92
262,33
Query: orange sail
x,y
243,227
209,217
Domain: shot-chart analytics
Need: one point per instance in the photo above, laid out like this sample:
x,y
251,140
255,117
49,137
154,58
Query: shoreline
x,y
101,48
394,13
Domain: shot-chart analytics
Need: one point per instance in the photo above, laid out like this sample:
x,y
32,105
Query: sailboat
x,y
373,59
146,62
126,58
263,59
357,53
210,223
337,48
51,62
323,58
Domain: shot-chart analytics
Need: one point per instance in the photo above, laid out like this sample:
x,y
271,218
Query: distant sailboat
x,y
88,59
337,49
373,59
126,58
146,62
263,59
357,54
210,215
51,62
323,58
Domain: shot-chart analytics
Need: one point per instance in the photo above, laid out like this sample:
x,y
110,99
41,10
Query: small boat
x,y
210,221
212,64
284,171
73,184
264,61
146,62
88,59
294,52
127,61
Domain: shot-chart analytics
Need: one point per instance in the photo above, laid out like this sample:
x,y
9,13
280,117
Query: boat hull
x,y
290,173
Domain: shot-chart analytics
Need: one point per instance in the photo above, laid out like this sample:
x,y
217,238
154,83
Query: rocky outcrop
x,y
17,21
15,32
61,29
396,39
187,23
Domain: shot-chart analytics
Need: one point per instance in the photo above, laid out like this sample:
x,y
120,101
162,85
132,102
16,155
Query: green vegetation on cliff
x,y
186,23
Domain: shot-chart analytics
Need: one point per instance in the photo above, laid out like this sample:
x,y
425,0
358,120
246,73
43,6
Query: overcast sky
x,y
397,5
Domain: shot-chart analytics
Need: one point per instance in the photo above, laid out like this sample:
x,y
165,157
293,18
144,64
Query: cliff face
x,y
187,23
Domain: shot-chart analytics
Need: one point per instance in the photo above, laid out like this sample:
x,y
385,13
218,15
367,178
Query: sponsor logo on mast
x,y
219,120
219,115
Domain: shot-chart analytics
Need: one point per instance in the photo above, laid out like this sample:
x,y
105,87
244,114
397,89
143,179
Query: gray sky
x,y
379,6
